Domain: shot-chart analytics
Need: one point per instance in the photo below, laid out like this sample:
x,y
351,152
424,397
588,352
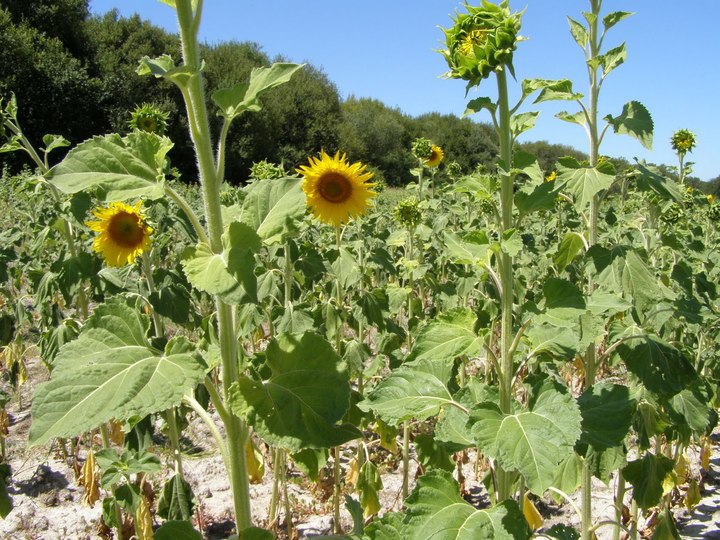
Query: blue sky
x,y
385,49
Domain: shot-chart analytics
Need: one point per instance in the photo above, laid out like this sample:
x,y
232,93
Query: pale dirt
x,y
47,498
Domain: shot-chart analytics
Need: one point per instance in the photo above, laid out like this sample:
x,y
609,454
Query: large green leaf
x,y
690,407
300,404
414,390
177,530
607,411
532,442
661,368
122,168
230,274
451,335
623,269
584,182
435,510
635,120
111,371
245,96
650,180
452,425
647,476
472,248
272,207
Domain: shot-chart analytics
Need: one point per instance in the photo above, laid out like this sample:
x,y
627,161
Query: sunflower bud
x,y
407,212
148,118
481,41
422,148
683,141
672,214
454,170
714,213
264,170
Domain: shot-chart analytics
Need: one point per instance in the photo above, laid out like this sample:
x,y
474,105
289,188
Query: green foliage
x,y
111,371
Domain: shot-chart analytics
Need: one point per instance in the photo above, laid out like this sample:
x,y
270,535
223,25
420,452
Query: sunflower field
x,y
471,357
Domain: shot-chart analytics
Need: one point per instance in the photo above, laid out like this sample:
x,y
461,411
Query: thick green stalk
x,y
506,269
590,360
194,94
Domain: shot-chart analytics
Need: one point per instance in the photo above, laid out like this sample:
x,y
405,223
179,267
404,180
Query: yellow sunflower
x,y
436,157
335,189
123,233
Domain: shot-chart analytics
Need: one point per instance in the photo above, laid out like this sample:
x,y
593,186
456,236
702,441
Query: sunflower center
x,y
335,187
474,37
126,229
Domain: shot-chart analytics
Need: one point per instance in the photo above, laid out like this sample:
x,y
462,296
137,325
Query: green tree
x,y
463,140
61,19
54,91
378,135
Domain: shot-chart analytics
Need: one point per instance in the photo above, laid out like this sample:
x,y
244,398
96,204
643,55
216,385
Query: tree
x,y
52,87
61,19
378,135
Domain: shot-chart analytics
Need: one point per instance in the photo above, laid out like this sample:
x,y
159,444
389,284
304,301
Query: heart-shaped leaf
x,y
300,404
111,371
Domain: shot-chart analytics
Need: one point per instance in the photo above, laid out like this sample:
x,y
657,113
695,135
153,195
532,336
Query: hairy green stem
x,y
237,432
506,268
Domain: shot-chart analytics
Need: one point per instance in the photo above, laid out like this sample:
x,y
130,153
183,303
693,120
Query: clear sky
x,y
385,49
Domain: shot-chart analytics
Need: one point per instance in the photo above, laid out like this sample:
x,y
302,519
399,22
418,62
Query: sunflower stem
x,y
505,268
194,95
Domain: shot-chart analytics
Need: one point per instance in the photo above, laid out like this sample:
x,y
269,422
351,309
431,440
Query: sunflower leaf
x,y
122,168
111,371
273,207
306,396
230,274
245,96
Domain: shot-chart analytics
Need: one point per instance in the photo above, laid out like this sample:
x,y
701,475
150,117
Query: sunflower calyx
x,y
149,118
422,148
408,213
481,41
683,141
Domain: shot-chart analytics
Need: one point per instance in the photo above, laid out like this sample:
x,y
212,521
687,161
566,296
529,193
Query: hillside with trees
x,y
75,74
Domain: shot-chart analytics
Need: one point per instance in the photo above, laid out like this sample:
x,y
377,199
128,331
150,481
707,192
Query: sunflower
x,y
436,157
336,190
123,233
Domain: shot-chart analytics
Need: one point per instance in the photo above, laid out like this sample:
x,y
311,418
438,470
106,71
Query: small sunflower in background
x,y
683,141
148,118
335,189
436,156
123,234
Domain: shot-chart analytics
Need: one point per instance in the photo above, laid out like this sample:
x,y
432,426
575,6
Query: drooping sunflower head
x,y
149,118
122,231
335,189
407,212
683,141
422,148
481,41
454,170
436,156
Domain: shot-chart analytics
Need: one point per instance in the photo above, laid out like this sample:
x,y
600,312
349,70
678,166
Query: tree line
x,y
74,75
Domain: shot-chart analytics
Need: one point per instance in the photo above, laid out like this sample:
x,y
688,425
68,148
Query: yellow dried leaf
x,y
4,424
532,516
681,469
353,473
116,433
705,453
90,480
255,462
692,497
143,520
